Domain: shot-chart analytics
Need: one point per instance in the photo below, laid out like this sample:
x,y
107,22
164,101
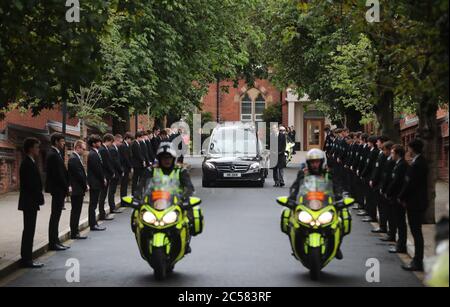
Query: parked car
x,y
235,153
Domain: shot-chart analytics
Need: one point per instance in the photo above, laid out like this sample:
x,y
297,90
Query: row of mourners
x,y
388,189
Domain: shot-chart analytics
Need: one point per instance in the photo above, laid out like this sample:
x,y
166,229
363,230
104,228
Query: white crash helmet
x,y
314,155
166,148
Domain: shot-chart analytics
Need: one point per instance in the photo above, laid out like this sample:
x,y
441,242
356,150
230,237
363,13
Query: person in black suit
x,y
278,171
108,171
414,197
118,171
125,156
393,192
57,184
144,149
138,161
78,182
156,140
30,200
386,177
364,152
96,180
374,184
369,165
148,141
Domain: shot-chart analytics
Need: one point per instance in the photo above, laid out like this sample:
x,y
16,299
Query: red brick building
x,y
408,129
15,128
242,103
245,103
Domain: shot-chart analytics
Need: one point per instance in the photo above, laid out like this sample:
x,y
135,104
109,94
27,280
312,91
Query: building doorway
x,y
314,133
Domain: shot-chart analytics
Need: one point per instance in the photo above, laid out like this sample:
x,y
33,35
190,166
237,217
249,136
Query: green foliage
x,y
86,106
42,56
272,114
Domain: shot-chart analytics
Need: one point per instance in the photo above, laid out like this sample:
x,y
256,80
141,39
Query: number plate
x,y
232,175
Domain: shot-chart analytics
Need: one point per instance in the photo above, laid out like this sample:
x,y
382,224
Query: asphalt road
x,y
242,245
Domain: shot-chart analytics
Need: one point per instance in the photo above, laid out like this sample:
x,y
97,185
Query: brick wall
x,y
39,122
230,98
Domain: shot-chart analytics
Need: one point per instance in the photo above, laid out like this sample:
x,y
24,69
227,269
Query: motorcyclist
x,y
166,157
315,166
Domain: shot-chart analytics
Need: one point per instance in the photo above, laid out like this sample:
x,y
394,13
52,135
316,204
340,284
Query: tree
x,y
87,108
43,56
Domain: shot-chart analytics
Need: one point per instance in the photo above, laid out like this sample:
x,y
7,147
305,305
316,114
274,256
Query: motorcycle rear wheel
x,y
315,263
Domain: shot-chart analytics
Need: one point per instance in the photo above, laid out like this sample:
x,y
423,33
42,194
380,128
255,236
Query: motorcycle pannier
x,y
198,221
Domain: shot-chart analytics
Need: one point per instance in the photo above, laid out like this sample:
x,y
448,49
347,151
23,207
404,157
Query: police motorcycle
x,y
161,224
316,224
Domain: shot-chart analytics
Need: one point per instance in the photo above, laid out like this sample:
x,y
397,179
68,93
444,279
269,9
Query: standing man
x,y
144,148
78,182
118,172
96,180
371,199
125,156
393,193
414,196
108,171
278,171
30,199
138,161
148,143
363,155
386,178
156,139
374,184
57,184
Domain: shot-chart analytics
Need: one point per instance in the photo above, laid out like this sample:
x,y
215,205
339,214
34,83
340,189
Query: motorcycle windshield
x,y
315,191
160,192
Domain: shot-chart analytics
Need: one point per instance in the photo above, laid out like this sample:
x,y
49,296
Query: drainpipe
x,y
218,99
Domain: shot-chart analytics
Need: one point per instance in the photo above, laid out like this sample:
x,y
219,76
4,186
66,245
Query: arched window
x,y
246,109
260,106
252,110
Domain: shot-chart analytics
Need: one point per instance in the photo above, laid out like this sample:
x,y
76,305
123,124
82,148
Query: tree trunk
x,y
121,125
353,119
384,111
428,133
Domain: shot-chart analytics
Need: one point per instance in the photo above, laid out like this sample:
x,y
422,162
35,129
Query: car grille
x,y
232,168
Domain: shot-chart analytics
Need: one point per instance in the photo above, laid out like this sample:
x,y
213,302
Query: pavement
x,y
242,246
11,221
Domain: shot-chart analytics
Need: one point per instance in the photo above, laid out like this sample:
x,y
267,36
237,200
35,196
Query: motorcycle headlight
x,y
149,217
325,218
305,217
170,217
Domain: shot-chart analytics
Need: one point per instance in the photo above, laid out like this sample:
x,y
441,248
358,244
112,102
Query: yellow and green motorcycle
x,y
316,224
163,224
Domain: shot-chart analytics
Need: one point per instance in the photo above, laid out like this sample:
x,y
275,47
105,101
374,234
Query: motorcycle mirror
x,y
194,201
128,201
348,201
284,201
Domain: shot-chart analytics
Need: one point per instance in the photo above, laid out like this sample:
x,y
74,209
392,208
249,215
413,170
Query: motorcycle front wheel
x,y
159,263
315,263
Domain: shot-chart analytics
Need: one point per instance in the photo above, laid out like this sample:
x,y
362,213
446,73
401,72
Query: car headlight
x,y
305,217
325,218
254,166
170,217
149,217
210,165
